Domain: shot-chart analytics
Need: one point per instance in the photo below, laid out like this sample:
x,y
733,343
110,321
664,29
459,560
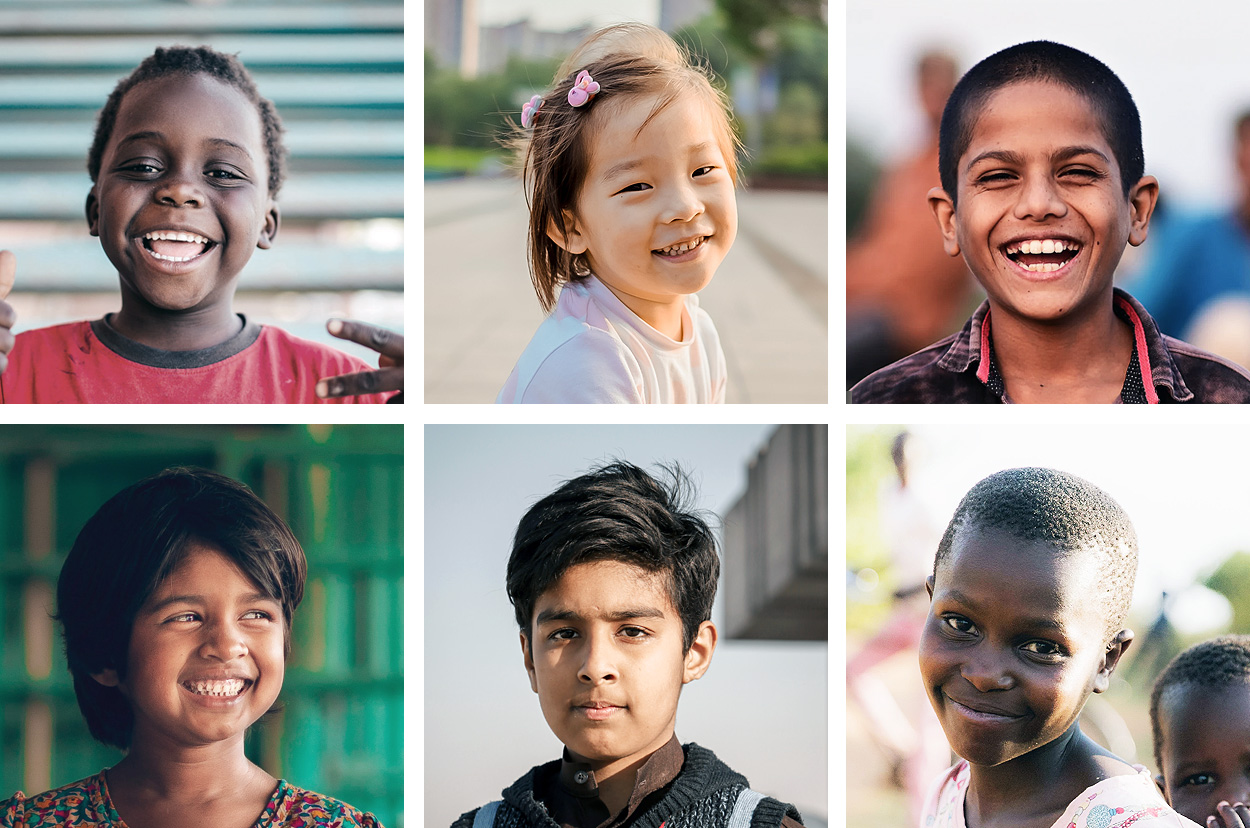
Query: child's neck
x,y
202,774
1080,359
192,330
1036,788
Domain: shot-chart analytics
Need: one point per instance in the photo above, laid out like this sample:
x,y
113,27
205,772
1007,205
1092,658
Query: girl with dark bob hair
x,y
176,601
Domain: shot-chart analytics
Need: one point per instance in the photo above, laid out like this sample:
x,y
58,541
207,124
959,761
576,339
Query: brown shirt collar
x,y
573,801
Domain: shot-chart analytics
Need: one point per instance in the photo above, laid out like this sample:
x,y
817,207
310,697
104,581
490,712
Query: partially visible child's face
x,y
1013,645
206,656
1205,750
606,661
1039,172
186,160
656,213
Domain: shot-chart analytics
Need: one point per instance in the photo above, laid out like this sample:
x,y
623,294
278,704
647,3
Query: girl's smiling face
x,y
206,656
656,213
182,197
1014,644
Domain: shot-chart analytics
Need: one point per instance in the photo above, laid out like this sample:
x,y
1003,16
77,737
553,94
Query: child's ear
x,y
1141,200
699,656
107,677
529,661
93,212
271,226
943,207
928,585
571,239
1111,658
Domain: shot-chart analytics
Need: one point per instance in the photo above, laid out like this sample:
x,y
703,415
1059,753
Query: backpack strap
x,y
744,808
486,814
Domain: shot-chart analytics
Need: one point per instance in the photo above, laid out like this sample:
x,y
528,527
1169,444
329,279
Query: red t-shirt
x,y
89,362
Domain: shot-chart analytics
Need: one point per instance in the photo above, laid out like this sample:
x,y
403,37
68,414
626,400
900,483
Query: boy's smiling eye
x,y
635,633
704,170
634,188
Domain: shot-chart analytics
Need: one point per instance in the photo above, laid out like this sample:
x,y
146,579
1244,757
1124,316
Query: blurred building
x,y
522,40
677,13
451,34
776,541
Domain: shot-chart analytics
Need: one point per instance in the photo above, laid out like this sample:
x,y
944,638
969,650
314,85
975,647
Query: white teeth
x,y
1035,246
225,687
1045,267
165,258
171,235
684,247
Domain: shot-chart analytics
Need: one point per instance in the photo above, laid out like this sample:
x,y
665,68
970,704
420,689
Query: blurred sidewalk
x,y
769,298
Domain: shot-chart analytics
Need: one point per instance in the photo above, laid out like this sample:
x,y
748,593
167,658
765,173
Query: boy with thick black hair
x,y
612,578
1041,164
1200,720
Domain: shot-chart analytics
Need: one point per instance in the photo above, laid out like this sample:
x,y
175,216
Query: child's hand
x,y
390,347
8,316
1236,815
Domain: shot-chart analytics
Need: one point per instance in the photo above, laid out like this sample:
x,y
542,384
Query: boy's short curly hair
x,y
195,60
1220,662
618,512
626,60
132,543
1042,60
1061,509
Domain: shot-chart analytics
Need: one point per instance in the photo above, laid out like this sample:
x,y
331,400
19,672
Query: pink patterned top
x,y
1115,802
87,802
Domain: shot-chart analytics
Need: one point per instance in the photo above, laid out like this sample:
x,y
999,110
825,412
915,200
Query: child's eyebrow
x,y
618,615
250,598
154,135
1011,157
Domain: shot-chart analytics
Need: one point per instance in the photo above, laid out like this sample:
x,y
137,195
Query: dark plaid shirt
x,y
961,368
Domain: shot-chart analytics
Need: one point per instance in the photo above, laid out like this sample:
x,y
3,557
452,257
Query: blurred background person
x,y
1195,275
902,291
905,728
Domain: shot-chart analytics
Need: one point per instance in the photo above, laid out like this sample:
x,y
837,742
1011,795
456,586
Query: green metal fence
x,y
339,726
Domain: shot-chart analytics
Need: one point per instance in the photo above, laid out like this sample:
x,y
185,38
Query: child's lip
x,y
981,709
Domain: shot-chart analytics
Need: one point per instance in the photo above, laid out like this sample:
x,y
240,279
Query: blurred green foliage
x,y
868,467
475,112
789,39
1232,580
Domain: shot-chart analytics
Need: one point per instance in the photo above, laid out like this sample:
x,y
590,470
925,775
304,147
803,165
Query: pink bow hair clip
x,y
584,88
529,110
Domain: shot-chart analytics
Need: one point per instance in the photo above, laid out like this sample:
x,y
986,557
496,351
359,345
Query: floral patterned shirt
x,y
87,802
1115,802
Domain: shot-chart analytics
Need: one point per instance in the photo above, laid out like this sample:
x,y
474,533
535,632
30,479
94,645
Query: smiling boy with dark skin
x,y
187,164
1031,586
612,579
1043,187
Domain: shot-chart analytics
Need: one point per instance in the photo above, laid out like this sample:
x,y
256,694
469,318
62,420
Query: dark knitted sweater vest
x,y
702,796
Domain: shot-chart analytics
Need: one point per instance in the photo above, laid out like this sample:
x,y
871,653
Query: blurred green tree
x,y
1232,580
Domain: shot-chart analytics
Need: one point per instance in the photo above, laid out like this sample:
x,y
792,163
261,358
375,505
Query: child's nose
x,y
180,190
599,663
223,642
986,674
683,204
1039,199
